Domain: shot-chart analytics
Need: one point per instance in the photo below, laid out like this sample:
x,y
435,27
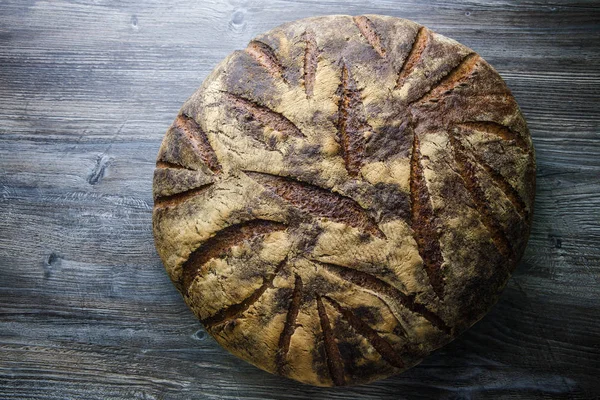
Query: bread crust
x,y
344,196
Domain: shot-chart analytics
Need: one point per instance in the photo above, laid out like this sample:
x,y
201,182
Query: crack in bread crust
x,y
265,56
383,347
467,170
455,77
403,172
503,184
178,198
311,52
351,125
263,114
199,141
496,129
221,241
379,286
319,202
171,165
290,326
423,222
367,29
415,54
335,363
235,310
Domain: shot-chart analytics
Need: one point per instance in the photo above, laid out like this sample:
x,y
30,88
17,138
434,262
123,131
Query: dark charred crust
x,y
392,202
389,141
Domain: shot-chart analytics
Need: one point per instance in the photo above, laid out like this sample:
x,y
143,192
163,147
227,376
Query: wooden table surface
x,y
89,87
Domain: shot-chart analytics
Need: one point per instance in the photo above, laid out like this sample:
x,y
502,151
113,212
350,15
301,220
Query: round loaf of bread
x,y
344,196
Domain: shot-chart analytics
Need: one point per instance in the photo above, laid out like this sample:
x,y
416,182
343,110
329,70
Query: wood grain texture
x,y
87,91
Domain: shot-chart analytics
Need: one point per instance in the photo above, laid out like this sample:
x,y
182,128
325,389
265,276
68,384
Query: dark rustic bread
x,y
344,196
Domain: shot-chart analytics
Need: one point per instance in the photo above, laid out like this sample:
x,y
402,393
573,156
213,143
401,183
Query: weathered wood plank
x,y
87,90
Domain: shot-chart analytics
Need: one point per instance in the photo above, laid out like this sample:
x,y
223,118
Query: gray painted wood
x,y
88,88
